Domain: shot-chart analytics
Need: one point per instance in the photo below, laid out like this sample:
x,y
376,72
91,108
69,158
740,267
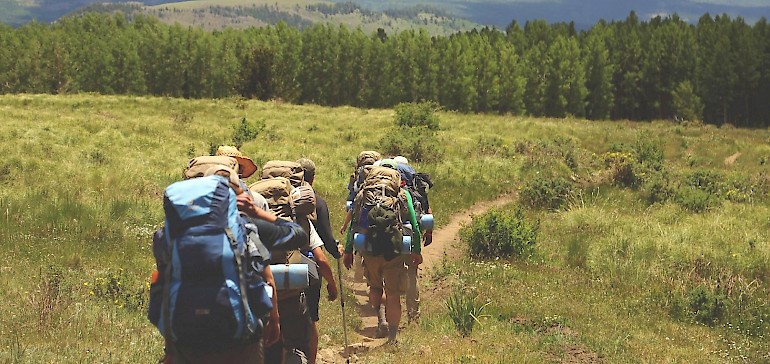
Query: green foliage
x,y
687,105
416,144
624,170
501,234
696,199
658,188
709,181
245,131
464,311
543,192
706,306
417,114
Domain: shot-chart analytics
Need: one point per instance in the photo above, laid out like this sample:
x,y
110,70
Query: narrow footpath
x,y
445,240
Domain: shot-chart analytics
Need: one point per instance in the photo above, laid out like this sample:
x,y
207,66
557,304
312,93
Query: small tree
x,y
687,104
245,131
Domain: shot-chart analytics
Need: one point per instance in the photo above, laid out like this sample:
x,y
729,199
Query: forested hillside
x,y
717,71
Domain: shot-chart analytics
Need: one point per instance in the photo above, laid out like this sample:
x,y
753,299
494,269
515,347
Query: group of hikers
x,y
240,266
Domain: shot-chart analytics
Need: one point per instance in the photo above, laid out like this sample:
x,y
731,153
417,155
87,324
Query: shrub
x,y
417,144
245,131
464,311
624,171
708,181
658,188
695,200
706,307
549,193
419,114
501,233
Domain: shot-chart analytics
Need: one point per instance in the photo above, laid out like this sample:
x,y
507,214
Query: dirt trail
x,y
444,240
731,159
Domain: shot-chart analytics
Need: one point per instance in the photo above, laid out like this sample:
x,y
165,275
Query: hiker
x,y
324,232
378,212
364,158
413,182
291,198
192,339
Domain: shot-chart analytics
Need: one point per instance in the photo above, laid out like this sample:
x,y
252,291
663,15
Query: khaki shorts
x,y
390,274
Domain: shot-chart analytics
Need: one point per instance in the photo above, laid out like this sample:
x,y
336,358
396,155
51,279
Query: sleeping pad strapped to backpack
x,y
208,292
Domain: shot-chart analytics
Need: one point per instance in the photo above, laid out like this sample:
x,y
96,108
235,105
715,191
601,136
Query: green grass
x,y
613,276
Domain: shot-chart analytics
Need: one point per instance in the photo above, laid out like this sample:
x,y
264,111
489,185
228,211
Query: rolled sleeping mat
x,y
290,276
426,222
359,242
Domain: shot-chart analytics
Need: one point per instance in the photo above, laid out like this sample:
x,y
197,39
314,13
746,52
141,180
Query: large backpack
x,y
293,171
277,192
209,290
418,185
197,166
280,184
377,211
364,159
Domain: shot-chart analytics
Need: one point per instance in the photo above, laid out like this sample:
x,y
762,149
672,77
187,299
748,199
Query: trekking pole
x,y
344,317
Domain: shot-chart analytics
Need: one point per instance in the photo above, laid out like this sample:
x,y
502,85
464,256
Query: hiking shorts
x,y
390,275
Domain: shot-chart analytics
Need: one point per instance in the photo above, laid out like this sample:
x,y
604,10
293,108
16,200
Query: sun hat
x,y
247,165
401,159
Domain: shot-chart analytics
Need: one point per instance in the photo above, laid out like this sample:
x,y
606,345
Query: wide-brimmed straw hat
x,y
247,166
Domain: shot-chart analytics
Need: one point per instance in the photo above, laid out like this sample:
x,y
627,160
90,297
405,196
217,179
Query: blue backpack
x,y
209,291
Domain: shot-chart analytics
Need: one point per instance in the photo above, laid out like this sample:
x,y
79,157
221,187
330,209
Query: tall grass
x,y
614,273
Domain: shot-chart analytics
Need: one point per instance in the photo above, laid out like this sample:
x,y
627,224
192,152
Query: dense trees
x,y
717,70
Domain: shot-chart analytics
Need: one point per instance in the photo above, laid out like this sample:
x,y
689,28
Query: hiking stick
x,y
344,317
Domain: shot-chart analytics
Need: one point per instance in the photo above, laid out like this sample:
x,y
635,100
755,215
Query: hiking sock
x,y
381,315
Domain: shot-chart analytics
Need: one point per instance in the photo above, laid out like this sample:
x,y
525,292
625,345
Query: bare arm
x,y
326,271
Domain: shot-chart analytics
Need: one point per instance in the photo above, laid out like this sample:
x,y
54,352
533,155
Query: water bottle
x,y
426,222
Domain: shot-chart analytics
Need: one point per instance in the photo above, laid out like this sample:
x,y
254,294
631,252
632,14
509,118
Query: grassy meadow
x,y
652,245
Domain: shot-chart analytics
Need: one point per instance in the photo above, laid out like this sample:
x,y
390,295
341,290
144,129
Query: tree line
x,y
717,70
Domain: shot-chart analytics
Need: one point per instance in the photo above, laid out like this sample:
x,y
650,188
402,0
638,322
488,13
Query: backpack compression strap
x,y
242,284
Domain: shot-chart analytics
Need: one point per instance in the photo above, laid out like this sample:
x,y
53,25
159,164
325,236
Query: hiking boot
x,y
382,330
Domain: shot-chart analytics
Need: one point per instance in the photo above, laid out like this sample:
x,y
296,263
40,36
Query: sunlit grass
x,y
82,178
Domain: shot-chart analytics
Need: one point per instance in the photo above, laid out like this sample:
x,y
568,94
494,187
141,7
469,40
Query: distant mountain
x,y
446,15
585,13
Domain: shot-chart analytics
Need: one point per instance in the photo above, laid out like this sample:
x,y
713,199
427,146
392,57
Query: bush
x,y
658,189
624,170
245,132
416,144
708,181
695,200
706,307
550,193
420,114
501,234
